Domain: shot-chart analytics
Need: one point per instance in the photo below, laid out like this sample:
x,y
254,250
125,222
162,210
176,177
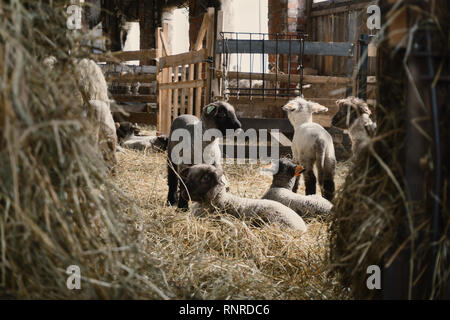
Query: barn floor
x,y
207,258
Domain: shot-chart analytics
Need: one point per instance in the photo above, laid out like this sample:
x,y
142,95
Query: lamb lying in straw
x,y
285,173
204,185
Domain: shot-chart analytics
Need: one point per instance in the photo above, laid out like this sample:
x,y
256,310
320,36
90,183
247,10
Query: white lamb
x,y
312,144
284,173
204,185
354,115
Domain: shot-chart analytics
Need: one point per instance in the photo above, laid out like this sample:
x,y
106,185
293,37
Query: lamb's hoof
x,y
172,202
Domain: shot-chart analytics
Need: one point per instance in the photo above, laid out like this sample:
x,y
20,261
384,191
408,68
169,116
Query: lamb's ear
x,y
290,106
210,110
185,172
298,171
316,107
117,125
364,108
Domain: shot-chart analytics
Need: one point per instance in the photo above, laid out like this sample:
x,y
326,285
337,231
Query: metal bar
x,y
251,63
341,49
263,69
276,66
237,60
362,72
289,63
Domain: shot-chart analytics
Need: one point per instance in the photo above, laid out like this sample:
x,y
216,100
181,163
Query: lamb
x,y
94,90
220,116
285,172
129,137
204,185
354,115
312,144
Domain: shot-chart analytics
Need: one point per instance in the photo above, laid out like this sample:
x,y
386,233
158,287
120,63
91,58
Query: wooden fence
x,y
184,80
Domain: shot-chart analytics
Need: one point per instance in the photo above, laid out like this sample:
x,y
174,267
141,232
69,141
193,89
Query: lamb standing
x,y
219,116
205,186
354,115
285,172
312,144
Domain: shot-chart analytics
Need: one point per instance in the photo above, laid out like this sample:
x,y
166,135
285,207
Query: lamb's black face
x,y
201,181
161,142
126,129
286,172
223,115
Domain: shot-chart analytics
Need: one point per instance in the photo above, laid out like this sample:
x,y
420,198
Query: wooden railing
x,y
184,79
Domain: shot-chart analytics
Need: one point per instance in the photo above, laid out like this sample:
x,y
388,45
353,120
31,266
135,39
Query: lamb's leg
x,y
310,182
172,181
182,202
328,179
296,184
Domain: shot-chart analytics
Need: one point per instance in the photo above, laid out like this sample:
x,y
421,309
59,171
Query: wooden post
x,y
159,79
210,37
216,87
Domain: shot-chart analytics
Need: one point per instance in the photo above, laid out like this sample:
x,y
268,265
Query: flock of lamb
x,y
205,183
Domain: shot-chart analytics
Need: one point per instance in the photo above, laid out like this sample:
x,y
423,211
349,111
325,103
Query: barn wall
x,y
329,21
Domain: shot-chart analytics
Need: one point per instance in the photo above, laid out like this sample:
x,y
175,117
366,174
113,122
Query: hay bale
x,y
379,219
58,206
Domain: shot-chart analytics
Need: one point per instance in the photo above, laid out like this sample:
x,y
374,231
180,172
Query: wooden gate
x,y
184,80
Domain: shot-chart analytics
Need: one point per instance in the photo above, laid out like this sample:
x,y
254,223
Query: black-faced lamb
x,y
354,115
312,145
204,185
216,119
129,137
285,173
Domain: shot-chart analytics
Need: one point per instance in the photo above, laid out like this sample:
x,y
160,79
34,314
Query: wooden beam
x,y
182,59
182,85
316,12
120,56
130,78
148,118
131,98
202,32
210,53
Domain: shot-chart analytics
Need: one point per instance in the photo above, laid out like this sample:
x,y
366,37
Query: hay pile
x,y
375,221
58,206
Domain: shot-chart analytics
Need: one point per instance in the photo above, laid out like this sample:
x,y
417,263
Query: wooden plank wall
x,y
330,22
184,79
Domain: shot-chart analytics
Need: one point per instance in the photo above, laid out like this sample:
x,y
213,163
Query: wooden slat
x,y
130,78
159,77
183,85
183,58
120,56
202,32
210,53
168,101
175,92
191,90
132,98
198,96
335,10
183,91
284,77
